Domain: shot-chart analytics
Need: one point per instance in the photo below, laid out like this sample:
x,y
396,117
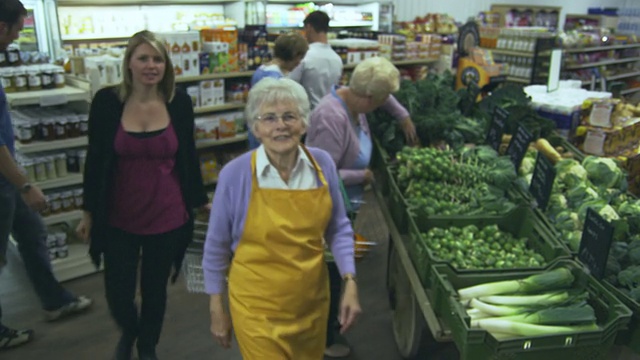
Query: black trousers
x,y
335,287
122,254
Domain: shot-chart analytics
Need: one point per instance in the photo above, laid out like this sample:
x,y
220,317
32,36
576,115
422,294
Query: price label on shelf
x,y
519,145
544,174
496,128
597,235
53,99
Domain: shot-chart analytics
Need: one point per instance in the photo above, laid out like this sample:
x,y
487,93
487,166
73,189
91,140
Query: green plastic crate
x,y
520,222
477,344
631,336
396,204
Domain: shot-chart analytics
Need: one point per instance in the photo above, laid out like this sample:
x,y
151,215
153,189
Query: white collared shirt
x,y
320,69
303,176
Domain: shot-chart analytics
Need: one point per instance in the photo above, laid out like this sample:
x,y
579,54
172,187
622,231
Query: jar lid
x,y
67,193
78,191
54,196
61,156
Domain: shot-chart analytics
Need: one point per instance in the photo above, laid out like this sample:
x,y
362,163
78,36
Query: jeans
x,y
122,253
30,233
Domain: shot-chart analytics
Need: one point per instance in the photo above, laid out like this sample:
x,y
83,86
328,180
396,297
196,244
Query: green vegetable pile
x,y
487,248
542,304
600,184
467,181
433,105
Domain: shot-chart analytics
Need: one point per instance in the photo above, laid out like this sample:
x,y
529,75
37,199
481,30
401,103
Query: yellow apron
x,y
278,283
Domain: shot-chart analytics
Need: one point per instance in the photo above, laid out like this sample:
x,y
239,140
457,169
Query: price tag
x,y
597,235
601,114
54,99
496,128
519,145
544,174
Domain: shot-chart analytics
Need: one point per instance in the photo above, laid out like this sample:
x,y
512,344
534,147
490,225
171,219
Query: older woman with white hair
x,y
339,126
272,211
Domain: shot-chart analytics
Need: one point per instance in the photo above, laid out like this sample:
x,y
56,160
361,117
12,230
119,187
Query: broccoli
x,y
634,256
635,294
613,267
629,277
618,251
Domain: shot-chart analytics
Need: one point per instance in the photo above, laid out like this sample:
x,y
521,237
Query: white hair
x,y
273,91
376,77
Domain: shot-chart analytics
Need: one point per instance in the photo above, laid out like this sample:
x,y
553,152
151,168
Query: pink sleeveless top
x,y
146,198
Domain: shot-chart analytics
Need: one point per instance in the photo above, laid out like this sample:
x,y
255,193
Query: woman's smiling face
x,y
279,127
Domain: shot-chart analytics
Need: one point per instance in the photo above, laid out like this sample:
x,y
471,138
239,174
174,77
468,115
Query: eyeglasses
x,y
272,119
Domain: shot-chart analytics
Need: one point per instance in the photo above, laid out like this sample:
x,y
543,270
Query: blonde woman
x,y
339,126
141,183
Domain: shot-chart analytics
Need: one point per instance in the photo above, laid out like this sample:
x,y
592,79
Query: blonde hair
x,y
168,82
289,46
376,77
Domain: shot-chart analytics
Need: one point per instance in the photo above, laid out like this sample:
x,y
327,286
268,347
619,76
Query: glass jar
x,y
47,209
62,252
30,169
13,56
19,79
26,131
82,159
52,246
41,170
55,203
34,79
72,162
46,74
66,197
6,79
73,126
78,198
61,165
58,77
61,127
50,167
48,129
3,59
84,124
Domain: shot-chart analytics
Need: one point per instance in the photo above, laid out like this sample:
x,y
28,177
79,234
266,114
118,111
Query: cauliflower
x,y
570,172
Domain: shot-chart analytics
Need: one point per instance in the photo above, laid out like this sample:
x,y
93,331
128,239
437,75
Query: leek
x,y
476,314
550,280
523,329
570,315
520,300
500,310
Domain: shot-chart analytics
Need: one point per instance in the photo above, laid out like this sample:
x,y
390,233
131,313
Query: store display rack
x,y
208,143
40,146
47,97
70,180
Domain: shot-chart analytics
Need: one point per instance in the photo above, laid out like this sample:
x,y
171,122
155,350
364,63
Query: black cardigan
x,y
104,118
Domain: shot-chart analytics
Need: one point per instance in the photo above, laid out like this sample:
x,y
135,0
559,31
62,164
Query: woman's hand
x,y
83,230
409,130
220,322
349,306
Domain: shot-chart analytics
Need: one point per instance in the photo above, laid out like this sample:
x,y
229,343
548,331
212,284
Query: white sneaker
x,y
337,351
79,305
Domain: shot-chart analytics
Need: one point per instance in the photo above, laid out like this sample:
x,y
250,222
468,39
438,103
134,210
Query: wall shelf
x,y
207,143
72,179
39,146
63,217
215,108
47,97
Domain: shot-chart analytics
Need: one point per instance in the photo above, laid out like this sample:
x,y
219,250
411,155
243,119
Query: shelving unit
x,y
507,52
77,262
629,91
70,180
63,217
229,75
217,108
47,97
602,63
623,76
39,146
601,48
208,143
400,63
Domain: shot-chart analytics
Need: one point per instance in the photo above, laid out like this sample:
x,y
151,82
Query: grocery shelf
x,y
62,217
76,264
629,91
518,79
401,63
223,107
602,63
207,143
507,52
47,97
39,146
183,79
623,76
74,179
601,48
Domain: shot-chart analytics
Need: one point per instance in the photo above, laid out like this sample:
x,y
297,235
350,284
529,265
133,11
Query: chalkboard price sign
x,y
597,235
496,128
542,181
519,145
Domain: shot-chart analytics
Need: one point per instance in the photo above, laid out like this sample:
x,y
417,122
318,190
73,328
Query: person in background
x,y
142,181
321,68
288,51
272,211
20,202
339,126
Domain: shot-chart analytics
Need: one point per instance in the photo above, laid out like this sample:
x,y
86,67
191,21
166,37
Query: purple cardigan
x,y
331,130
229,211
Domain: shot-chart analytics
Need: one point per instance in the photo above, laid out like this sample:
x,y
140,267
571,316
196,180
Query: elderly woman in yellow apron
x,y
272,211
